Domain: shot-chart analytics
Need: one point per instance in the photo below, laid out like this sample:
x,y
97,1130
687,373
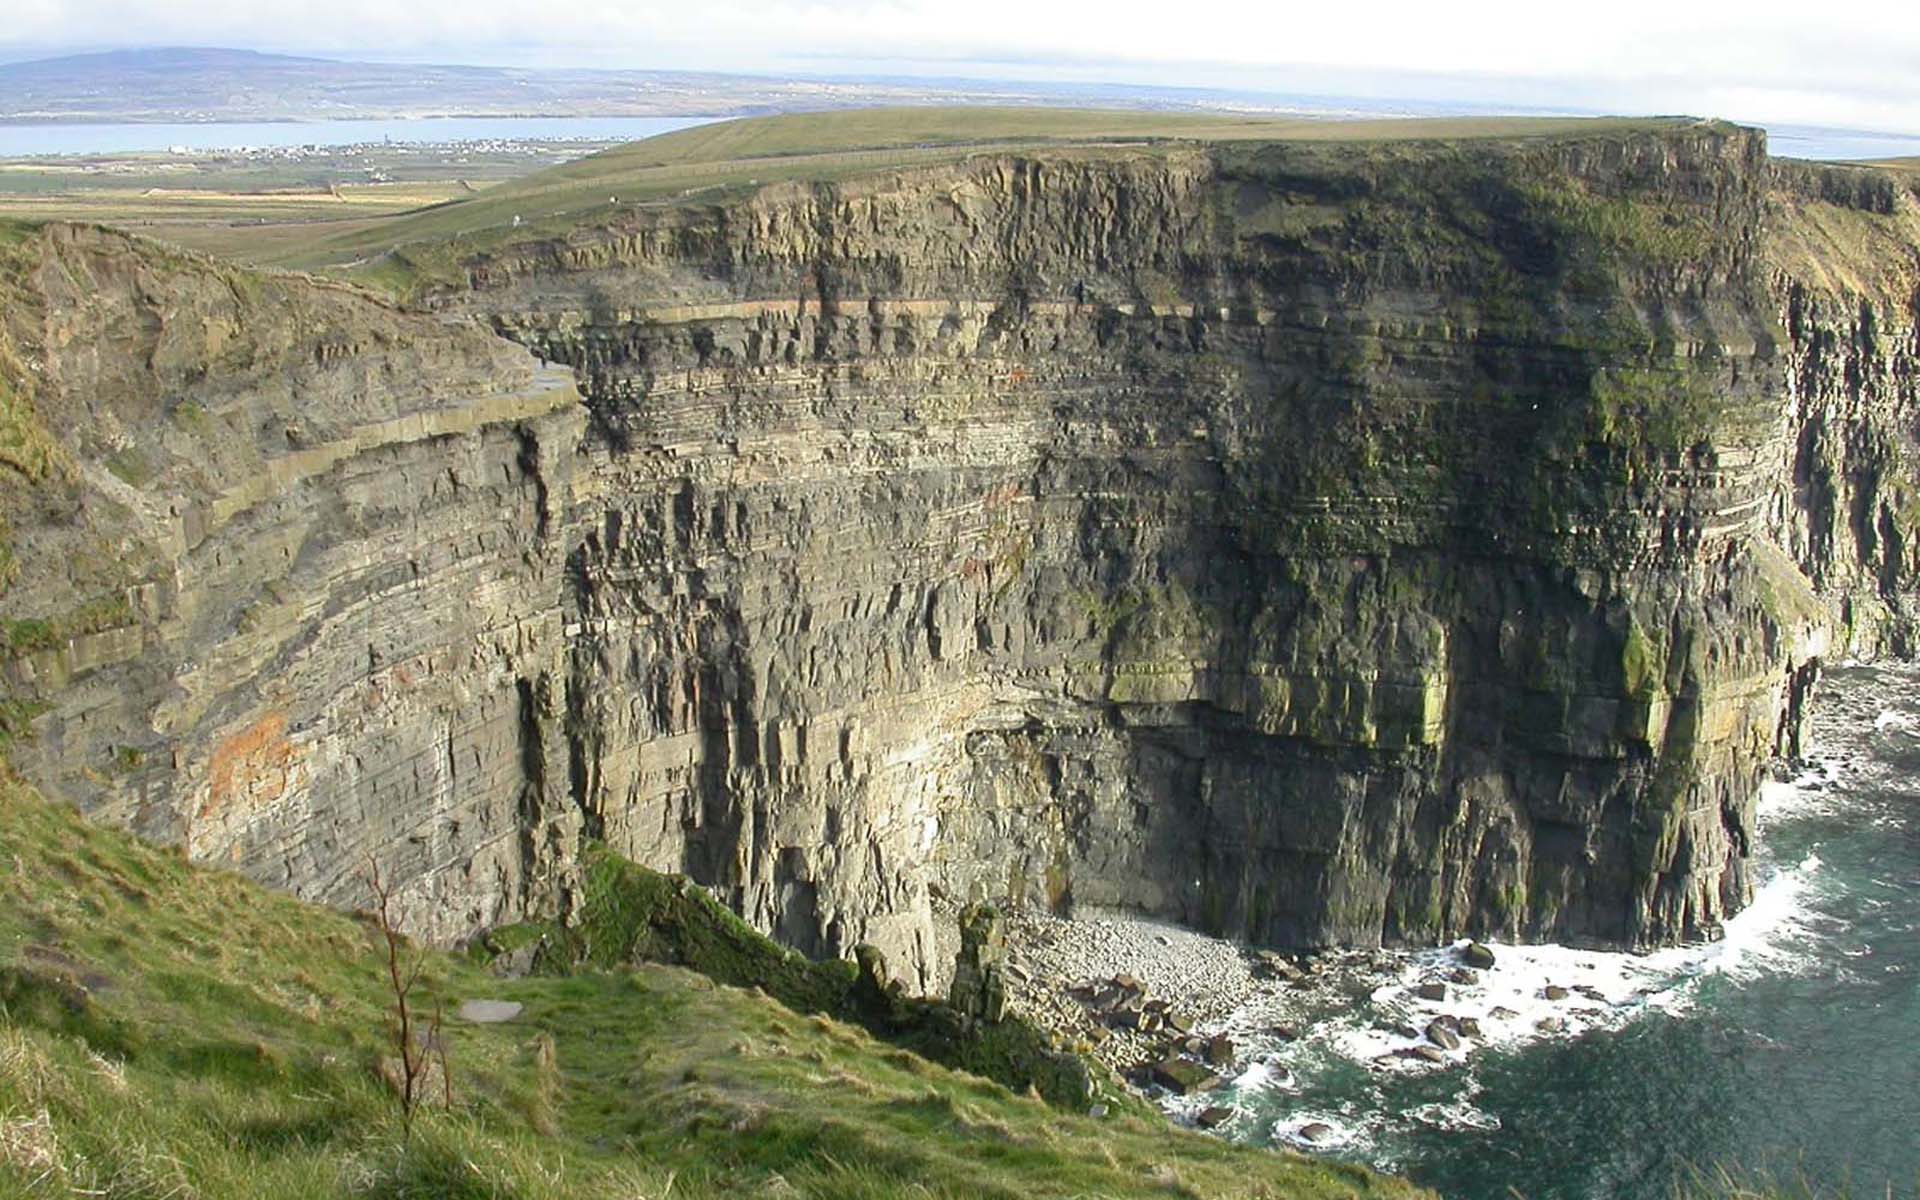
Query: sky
x,y
1854,65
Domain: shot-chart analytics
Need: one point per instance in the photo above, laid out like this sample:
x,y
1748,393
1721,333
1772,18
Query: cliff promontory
x,y
1311,540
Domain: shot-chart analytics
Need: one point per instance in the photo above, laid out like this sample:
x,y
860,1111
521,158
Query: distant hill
x,y
239,85
186,84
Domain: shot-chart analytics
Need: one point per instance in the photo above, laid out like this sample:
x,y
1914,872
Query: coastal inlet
x,y
1784,1051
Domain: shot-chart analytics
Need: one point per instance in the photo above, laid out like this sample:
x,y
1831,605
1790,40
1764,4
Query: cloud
x,y
1765,59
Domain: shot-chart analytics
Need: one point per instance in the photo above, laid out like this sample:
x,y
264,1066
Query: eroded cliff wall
x,y
290,583
1310,543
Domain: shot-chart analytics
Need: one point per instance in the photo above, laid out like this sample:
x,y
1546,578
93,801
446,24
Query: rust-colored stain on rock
x,y
250,769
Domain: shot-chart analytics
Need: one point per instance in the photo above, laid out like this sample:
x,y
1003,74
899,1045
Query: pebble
x,y
1145,985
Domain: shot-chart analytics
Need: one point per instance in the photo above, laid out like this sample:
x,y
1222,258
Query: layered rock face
x,y
1308,543
291,576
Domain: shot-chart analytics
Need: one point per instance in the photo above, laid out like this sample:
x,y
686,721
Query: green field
x,y
715,162
441,210
262,204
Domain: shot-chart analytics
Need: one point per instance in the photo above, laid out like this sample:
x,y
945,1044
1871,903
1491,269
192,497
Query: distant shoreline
x,y
118,119
81,140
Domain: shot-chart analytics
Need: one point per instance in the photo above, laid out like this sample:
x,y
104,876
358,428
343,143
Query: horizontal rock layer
x,y
1307,543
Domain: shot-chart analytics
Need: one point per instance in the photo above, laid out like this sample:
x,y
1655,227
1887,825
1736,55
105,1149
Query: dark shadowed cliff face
x,y
1305,542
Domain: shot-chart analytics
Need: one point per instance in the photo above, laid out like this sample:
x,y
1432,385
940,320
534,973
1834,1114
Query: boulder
x,y
1443,1037
487,1012
1183,1077
1275,966
979,969
1220,1050
1214,1116
1477,956
1315,1131
875,984
1431,991
1553,991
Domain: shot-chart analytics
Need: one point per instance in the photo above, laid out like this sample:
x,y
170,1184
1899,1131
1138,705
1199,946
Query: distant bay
x,y
17,141
1804,141
22,140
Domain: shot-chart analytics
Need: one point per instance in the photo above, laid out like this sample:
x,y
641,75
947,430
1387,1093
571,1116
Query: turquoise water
x,y
1791,1049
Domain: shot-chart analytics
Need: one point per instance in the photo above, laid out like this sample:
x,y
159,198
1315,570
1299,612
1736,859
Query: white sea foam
x,y
1338,1132
1530,994
1456,1114
1265,1074
1765,937
1363,1007
1779,801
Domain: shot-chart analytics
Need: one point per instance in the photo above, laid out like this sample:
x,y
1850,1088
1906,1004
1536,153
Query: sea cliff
x,y
1311,542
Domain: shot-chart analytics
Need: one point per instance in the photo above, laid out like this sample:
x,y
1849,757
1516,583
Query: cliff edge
x,y
1307,539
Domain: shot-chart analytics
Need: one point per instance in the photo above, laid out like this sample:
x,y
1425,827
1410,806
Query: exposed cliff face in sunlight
x,y
1310,543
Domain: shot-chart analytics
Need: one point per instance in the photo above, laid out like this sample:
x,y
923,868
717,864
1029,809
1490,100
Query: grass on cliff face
x,y
169,1031
727,160
627,914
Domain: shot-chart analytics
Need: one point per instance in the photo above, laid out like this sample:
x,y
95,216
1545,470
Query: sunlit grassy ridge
x,y
172,1031
714,162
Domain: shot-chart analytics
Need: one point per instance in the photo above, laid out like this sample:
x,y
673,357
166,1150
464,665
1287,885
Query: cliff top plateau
x,y
722,162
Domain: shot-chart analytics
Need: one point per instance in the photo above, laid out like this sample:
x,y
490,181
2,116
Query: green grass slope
x,y
714,162
168,1031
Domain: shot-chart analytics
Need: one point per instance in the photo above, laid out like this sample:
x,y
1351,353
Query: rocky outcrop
x,y
293,585
1846,275
1310,543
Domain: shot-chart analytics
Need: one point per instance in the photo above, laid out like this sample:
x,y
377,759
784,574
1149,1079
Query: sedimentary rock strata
x,y
1306,543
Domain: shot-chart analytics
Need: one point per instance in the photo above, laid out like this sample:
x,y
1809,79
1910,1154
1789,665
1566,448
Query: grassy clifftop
x,y
170,1031
727,160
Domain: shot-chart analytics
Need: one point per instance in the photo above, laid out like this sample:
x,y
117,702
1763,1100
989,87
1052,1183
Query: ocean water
x,y
1809,141
20,140
1791,1048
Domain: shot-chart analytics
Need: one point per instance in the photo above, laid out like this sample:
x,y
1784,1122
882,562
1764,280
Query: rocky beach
x,y
1183,1016
1220,1035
